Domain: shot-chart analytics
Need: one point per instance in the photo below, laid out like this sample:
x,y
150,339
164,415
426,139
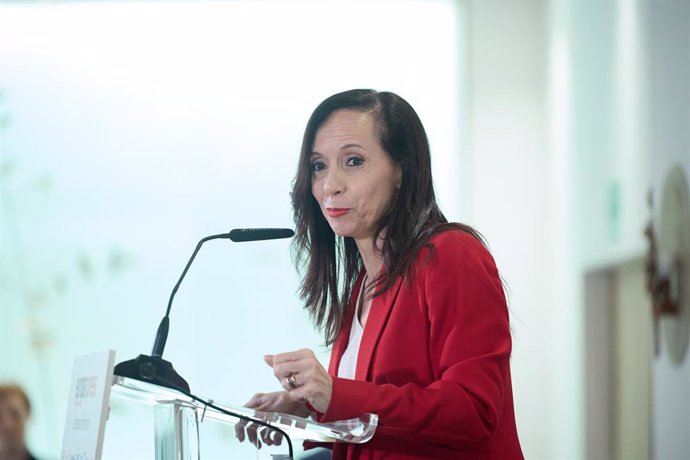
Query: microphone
x,y
239,235
154,368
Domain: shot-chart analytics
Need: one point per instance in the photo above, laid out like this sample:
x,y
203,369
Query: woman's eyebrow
x,y
343,147
347,146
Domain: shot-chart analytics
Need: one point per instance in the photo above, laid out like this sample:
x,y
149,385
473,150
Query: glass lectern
x,y
176,418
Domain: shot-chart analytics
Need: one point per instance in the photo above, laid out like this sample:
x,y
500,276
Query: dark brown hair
x,y
329,263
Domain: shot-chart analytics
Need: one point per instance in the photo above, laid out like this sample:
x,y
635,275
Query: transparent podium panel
x,y
177,418
175,431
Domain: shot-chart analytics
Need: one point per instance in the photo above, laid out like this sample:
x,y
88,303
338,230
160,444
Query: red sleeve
x,y
469,349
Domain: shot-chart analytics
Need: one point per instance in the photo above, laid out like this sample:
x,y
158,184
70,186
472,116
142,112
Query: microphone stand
x,y
154,369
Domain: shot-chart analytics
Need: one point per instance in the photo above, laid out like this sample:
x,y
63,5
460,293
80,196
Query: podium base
x,y
152,369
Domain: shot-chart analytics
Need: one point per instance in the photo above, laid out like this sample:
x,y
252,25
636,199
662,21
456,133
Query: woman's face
x,y
13,418
353,178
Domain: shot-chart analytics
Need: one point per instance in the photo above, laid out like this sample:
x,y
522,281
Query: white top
x,y
348,363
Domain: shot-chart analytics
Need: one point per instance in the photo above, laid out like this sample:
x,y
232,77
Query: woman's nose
x,y
334,183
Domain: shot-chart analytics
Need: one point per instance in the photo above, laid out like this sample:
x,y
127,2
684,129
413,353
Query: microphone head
x,y
239,235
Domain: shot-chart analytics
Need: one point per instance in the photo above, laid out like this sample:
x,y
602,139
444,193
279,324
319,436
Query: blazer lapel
x,y
379,313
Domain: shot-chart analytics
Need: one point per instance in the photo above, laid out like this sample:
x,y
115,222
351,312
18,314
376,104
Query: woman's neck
x,y
371,259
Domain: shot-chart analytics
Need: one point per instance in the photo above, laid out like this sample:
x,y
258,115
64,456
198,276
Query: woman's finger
x,y
239,430
252,435
277,438
289,383
289,368
255,401
298,355
266,436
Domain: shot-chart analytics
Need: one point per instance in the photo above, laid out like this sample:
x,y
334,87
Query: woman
x,y
15,410
413,306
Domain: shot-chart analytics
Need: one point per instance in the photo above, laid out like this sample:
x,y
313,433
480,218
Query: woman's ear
x,y
398,177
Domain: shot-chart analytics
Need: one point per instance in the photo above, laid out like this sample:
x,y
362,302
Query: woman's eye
x,y
317,166
355,161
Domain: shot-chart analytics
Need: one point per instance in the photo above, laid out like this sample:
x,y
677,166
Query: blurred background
x,y
130,130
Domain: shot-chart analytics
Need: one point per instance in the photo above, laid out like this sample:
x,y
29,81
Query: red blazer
x,y
434,362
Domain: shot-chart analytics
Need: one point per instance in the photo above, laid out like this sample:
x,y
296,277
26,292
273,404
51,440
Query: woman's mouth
x,y
337,212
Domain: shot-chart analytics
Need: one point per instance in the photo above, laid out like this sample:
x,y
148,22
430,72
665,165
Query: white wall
x,y
629,117
575,110
669,119
517,194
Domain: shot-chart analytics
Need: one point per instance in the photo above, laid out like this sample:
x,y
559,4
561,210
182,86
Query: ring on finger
x,y
291,381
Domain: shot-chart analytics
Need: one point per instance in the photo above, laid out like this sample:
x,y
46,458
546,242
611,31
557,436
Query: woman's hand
x,y
303,376
279,401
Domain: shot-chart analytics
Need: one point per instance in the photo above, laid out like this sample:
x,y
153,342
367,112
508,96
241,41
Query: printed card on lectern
x,y
87,406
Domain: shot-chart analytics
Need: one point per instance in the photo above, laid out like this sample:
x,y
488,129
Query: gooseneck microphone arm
x,y
154,368
189,264
162,334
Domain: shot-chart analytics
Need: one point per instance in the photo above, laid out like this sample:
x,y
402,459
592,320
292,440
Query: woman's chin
x,y
342,233
341,230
